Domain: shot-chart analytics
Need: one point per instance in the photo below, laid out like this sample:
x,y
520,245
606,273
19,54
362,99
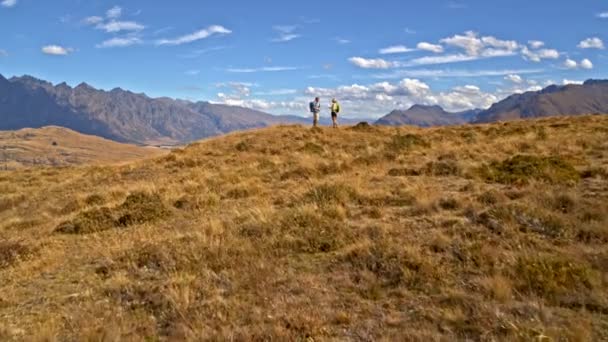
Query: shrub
x,y
138,208
90,221
442,168
363,126
141,207
330,193
403,172
406,142
521,169
95,199
595,172
449,204
12,252
312,148
550,277
298,173
242,146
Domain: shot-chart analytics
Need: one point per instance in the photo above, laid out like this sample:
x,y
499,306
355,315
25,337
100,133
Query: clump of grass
x,y
400,143
489,198
95,199
363,126
11,252
138,208
403,172
595,172
330,193
550,277
521,169
241,192
141,207
305,230
332,168
442,168
298,173
550,225
189,203
242,146
312,148
497,287
449,203
90,221
70,207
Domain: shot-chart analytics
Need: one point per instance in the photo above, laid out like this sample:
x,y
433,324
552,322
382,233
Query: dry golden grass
x,y
58,146
288,233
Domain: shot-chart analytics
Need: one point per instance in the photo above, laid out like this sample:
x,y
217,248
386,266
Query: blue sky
x,y
276,55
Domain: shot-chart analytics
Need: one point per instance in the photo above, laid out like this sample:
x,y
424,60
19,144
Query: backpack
x,y
312,107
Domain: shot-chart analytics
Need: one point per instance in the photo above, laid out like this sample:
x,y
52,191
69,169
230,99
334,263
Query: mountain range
x,y
122,115
590,97
427,116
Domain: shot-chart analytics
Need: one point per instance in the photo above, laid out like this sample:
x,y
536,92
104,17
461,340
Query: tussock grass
x,y
491,232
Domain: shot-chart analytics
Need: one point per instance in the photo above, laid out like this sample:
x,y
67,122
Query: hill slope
x,y
119,114
589,98
57,146
483,232
426,116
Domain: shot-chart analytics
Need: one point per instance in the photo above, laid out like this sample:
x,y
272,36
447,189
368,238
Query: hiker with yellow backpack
x,y
335,109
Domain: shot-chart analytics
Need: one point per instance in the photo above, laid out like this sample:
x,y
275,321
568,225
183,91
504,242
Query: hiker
x,y
315,109
335,109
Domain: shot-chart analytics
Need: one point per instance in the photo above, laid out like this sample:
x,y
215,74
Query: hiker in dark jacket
x,y
315,109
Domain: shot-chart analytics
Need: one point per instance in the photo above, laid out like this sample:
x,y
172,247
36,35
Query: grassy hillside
x,y
58,146
490,232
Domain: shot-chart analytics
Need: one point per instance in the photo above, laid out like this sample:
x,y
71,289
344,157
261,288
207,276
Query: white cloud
x,y
469,42
395,49
114,12
376,63
94,20
119,42
198,35
383,97
586,64
286,38
536,44
342,41
3,53
56,50
566,82
591,43
445,59
451,73
277,92
487,46
430,47
192,72
286,33
508,45
514,78
8,3
538,55
117,26
602,15
262,69
570,64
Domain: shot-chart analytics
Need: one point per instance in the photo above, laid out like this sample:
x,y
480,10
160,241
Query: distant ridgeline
x,y
588,98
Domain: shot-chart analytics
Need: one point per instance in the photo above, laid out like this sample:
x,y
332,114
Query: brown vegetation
x,y
489,232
